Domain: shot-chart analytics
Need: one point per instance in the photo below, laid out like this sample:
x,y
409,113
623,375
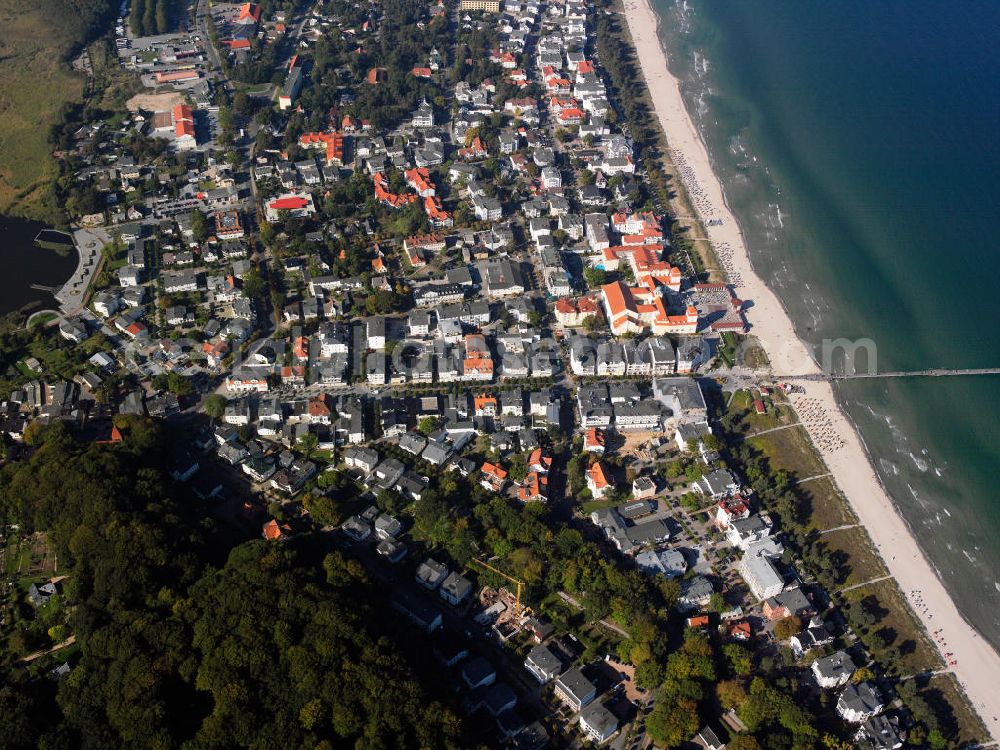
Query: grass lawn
x,y
591,505
34,84
828,508
599,639
42,319
777,414
898,626
789,450
18,556
963,725
561,613
860,559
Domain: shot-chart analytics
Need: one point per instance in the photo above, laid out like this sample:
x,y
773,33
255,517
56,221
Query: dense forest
x,y
188,636
88,18
147,17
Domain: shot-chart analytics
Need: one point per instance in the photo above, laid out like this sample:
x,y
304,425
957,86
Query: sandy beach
x,y
976,663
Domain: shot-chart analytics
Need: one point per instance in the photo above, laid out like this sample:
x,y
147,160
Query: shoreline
x,y
88,244
831,431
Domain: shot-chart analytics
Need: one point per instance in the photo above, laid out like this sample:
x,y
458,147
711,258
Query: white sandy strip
x,y
977,664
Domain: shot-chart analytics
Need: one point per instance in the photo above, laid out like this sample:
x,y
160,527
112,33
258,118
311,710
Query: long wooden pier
x,y
934,373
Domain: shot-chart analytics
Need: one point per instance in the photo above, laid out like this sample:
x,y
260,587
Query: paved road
x,y
202,14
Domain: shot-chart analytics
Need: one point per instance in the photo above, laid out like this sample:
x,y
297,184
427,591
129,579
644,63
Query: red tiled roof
x,y
598,476
494,471
273,530
250,11
593,438
290,203
534,487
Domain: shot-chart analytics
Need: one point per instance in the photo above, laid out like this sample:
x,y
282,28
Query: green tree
x,y
671,723
595,277
179,385
199,226
215,405
739,659
427,425
787,627
743,742
731,694
307,444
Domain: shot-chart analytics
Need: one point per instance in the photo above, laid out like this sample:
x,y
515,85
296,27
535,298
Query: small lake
x,y
23,263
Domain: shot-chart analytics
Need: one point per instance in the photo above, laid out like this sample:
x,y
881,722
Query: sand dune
x,y
977,665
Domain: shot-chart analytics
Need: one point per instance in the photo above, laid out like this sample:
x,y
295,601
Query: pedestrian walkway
x,y
840,528
864,583
809,479
740,438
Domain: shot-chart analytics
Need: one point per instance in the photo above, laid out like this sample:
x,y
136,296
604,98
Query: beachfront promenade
x,y
974,662
88,244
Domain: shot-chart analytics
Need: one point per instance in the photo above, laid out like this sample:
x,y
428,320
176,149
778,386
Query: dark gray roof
x,y
835,666
863,698
476,670
573,682
599,718
544,659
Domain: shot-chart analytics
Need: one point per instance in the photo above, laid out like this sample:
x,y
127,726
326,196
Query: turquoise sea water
x,y
858,146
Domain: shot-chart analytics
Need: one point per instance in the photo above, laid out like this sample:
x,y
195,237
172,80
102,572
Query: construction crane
x,y
516,582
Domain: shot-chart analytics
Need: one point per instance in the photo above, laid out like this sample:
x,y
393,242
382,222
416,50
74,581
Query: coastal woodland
x,y
187,634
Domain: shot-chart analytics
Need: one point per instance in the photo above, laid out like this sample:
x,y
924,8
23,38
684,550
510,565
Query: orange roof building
x,y
539,461
739,630
319,409
475,150
493,477
419,179
646,263
535,488
183,118
598,480
249,13
174,76
593,441
485,405
478,362
637,309
572,116
273,531
416,256
300,347
436,215
331,143
388,198
572,312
